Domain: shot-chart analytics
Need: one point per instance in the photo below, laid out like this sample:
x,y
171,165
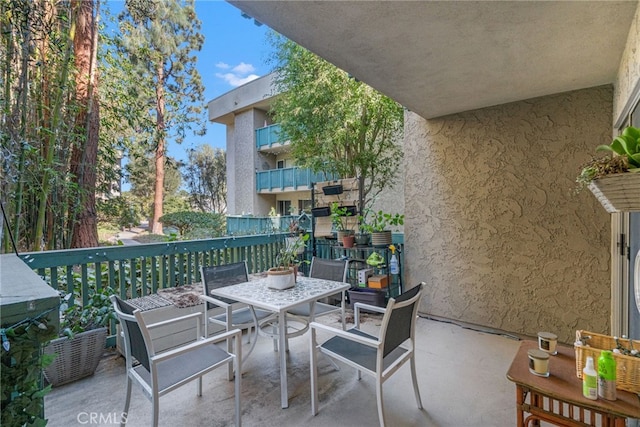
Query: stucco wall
x,y
629,70
493,226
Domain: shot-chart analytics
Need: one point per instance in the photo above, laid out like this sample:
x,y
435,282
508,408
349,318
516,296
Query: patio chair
x,y
328,269
240,317
160,373
378,356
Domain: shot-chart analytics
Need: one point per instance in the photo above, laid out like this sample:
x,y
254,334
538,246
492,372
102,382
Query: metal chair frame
x,y
380,356
160,373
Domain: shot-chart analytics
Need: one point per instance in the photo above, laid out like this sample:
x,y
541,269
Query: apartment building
x,y
261,175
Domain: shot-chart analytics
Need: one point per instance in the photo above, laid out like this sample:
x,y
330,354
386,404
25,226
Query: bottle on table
x,y
590,380
607,376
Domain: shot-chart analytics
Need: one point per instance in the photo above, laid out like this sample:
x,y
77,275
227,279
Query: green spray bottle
x,y
607,376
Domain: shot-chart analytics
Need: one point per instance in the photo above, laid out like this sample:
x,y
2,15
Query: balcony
x,y
139,270
269,139
289,179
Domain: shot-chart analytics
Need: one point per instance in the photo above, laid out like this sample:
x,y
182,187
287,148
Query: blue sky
x,y
235,51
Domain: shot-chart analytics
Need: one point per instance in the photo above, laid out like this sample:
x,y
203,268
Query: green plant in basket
x,y
95,314
624,157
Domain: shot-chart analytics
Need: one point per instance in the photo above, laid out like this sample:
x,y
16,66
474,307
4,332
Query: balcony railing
x,y
140,270
289,179
268,136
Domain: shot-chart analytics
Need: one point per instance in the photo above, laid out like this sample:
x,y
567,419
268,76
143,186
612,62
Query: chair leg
x,y
127,401
199,390
379,399
156,409
314,374
414,377
237,361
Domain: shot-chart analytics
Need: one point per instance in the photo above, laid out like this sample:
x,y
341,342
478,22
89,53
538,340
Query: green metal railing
x,y
140,270
134,271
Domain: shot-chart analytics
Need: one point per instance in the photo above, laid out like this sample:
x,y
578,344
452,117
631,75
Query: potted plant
x,y
83,333
340,220
378,223
613,178
283,274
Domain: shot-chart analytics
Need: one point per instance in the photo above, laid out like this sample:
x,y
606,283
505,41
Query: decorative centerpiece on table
x,y
83,334
283,275
614,179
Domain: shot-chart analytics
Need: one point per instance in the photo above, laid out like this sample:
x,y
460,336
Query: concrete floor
x,y
461,374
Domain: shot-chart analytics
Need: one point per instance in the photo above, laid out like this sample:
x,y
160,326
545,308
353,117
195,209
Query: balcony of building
x,y
289,179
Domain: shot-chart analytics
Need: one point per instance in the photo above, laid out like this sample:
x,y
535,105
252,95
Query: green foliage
x,y
96,313
627,144
119,211
379,221
599,167
206,178
188,222
160,39
288,255
338,216
21,374
336,123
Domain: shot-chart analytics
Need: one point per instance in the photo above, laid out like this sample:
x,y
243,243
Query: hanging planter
x,y
321,211
330,190
618,192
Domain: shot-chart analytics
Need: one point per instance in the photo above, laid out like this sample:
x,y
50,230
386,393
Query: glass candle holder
x,y
538,362
547,342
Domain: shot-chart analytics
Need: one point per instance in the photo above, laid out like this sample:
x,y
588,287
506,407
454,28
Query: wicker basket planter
x,y
76,358
627,367
618,192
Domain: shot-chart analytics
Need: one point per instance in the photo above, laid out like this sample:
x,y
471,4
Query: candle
x,y
547,342
538,362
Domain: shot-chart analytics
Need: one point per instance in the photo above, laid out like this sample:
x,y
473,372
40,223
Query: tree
x,y
84,154
336,123
206,178
141,174
159,37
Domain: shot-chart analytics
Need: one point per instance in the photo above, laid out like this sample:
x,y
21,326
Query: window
x,y
280,164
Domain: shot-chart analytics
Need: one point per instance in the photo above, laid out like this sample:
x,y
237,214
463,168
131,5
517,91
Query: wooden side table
x,y
558,398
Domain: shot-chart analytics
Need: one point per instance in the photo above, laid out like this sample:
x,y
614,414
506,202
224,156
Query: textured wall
x,y
629,70
493,226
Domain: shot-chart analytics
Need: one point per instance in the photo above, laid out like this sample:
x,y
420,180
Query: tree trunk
x,y
85,151
156,226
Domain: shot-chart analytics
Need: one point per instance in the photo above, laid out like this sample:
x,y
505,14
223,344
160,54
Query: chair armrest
x,y
346,334
173,320
234,333
356,310
213,300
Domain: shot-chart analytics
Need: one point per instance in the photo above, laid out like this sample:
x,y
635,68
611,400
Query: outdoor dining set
x,y
233,304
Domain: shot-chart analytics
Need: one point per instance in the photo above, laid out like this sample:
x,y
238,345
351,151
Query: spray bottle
x,y
394,267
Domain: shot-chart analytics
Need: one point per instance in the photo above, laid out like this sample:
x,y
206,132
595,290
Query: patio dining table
x,y
257,294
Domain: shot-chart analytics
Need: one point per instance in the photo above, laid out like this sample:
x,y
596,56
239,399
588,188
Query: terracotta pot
x,y
348,241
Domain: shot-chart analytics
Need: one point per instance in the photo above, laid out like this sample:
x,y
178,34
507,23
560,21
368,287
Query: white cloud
x,y
236,80
243,68
239,74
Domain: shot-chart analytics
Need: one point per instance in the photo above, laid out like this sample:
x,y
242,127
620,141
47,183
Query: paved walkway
x,y
127,236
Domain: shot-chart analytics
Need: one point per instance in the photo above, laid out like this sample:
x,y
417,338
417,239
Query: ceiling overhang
x,y
443,57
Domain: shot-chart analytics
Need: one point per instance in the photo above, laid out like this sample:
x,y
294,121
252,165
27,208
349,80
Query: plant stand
x,y
76,358
618,192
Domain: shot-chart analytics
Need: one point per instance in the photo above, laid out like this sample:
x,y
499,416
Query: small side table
x,y
558,398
